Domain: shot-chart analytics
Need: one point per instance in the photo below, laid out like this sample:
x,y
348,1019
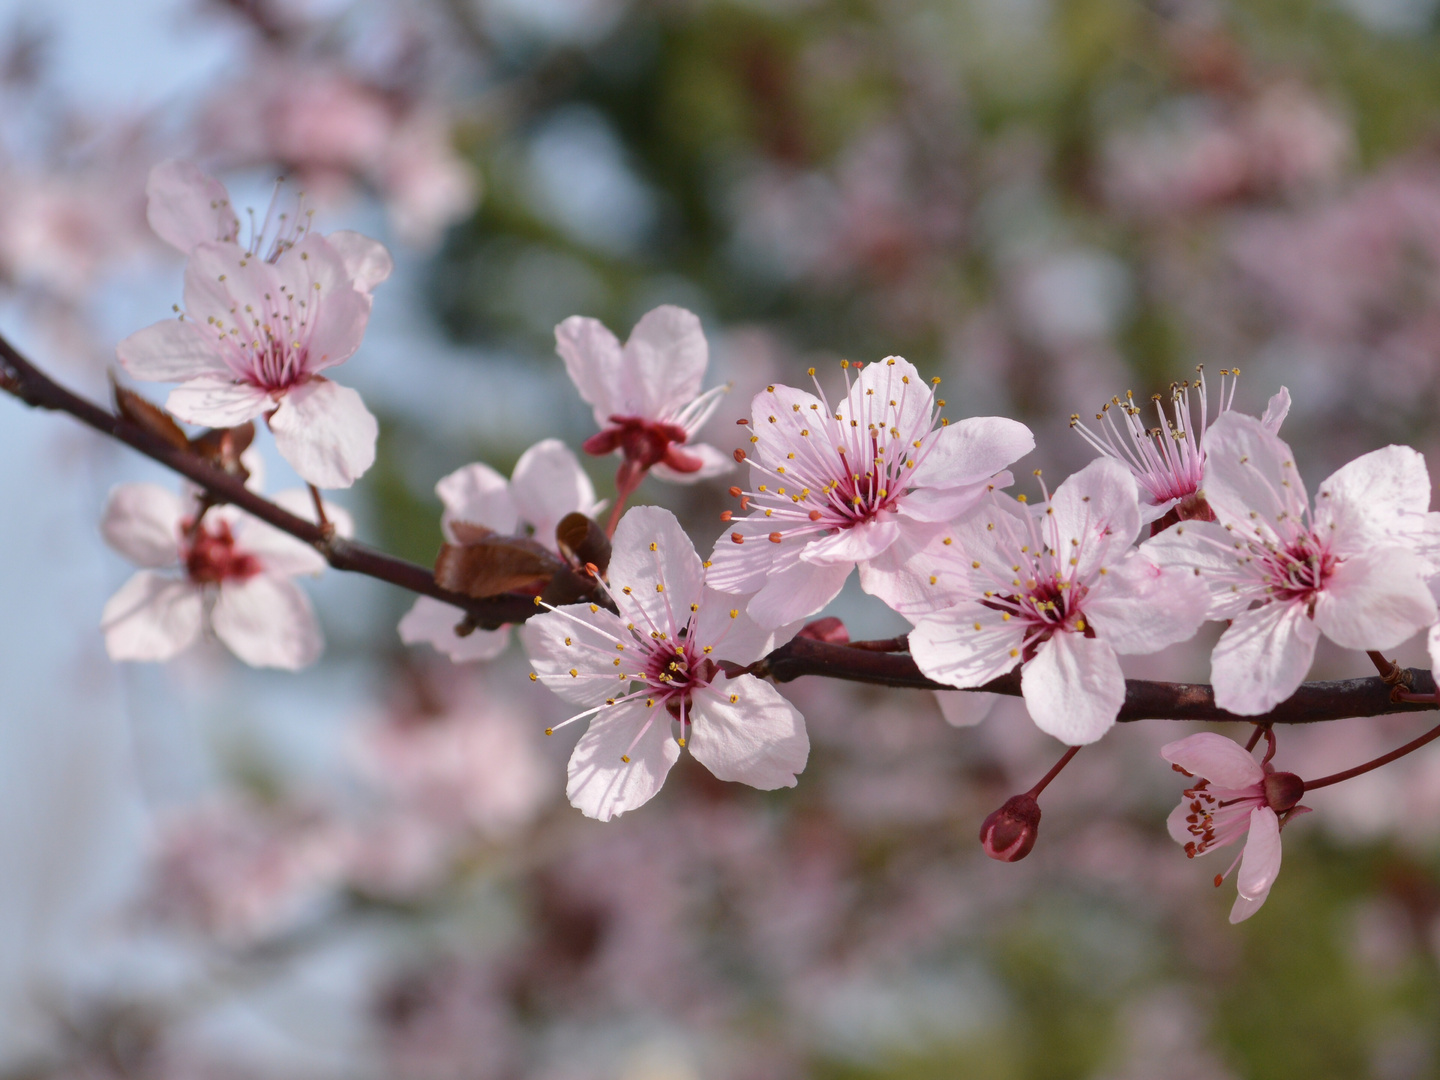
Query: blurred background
x,y
369,869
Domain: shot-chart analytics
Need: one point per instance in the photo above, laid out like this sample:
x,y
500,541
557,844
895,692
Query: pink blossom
x,y
1063,595
472,766
672,635
240,871
868,483
547,484
646,394
1349,569
1169,460
1236,796
260,324
229,571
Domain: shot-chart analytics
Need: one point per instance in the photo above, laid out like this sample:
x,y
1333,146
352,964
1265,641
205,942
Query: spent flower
x,y
1236,797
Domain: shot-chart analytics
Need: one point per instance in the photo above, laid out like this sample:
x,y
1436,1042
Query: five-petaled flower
x,y
867,483
646,394
260,323
1169,460
1236,796
547,484
1284,574
1058,589
223,567
652,676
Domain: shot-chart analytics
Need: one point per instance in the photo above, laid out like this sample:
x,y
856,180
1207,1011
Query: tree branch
x,y
864,662
30,385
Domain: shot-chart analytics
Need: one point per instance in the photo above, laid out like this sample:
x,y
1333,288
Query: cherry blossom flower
x,y
1169,460
260,324
547,484
672,635
1063,595
868,483
240,871
1236,796
1348,569
227,570
646,394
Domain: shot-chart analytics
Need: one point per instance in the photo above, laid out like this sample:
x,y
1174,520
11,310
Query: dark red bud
x,y
1009,833
1283,790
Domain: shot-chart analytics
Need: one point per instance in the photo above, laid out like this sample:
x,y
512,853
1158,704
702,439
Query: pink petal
x,y
1100,507
217,401
367,261
1224,762
601,784
738,638
1073,688
152,617
964,709
1140,608
1276,410
796,592
883,382
745,567
267,622
593,359
170,351
1263,657
758,739
547,484
566,640
325,432
187,208
227,288
1375,499
1260,863
1204,546
142,522
972,450
1249,469
948,648
478,494
429,622
673,564
665,360
337,312
1375,600
859,542
913,580
944,504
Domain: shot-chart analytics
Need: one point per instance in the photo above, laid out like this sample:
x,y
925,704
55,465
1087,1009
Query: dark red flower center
x,y
212,556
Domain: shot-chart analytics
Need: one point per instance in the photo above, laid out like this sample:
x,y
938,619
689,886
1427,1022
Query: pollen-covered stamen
x,y
290,226
269,348
1167,460
212,557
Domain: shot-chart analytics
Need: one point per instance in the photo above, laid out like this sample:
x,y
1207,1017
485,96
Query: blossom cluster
x,y
1203,517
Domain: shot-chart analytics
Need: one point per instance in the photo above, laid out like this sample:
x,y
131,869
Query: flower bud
x,y
1283,790
1009,833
